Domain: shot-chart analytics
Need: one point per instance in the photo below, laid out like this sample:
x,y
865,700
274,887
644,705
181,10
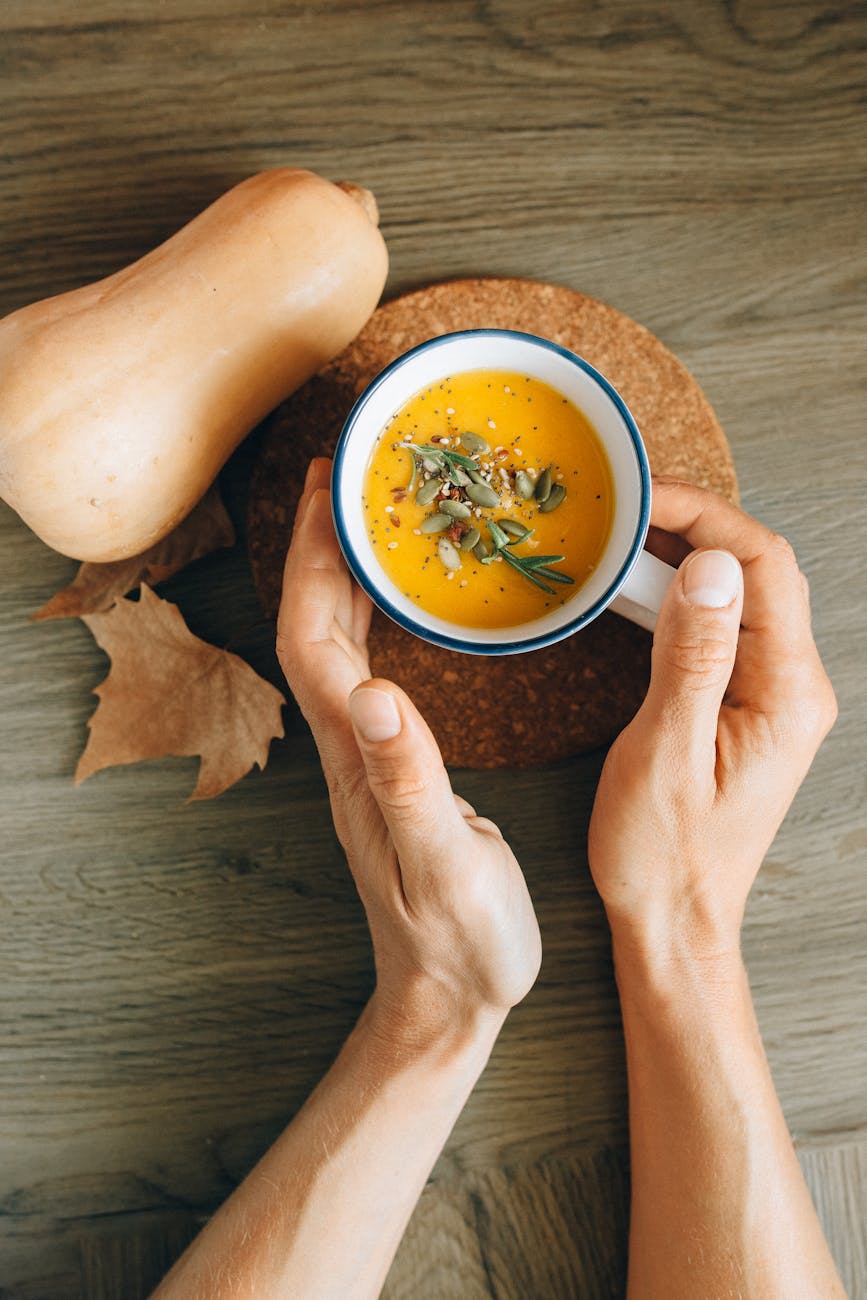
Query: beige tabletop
x,y
175,978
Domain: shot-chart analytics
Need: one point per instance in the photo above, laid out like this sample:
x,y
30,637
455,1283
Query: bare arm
x,y
719,1205
691,797
323,1212
456,945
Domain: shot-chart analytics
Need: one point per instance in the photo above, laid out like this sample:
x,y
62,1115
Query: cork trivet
x,y
547,704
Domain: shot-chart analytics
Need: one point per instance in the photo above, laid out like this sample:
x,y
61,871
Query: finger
x,y
355,613
321,550
774,601
694,648
701,517
311,576
305,544
362,610
407,779
318,476
667,547
321,663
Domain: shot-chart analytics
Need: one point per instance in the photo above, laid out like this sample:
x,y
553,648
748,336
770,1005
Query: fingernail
x,y
711,579
374,713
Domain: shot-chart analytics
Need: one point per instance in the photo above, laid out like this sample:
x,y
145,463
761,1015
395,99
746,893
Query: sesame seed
x,y
463,582
449,576
392,546
450,410
506,388
417,532
491,424
559,476
389,510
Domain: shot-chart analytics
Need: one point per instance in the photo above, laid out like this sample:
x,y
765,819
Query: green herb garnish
x,y
533,567
445,461
430,452
453,466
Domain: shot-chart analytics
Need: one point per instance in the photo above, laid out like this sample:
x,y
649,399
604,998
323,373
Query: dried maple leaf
x,y
168,692
96,587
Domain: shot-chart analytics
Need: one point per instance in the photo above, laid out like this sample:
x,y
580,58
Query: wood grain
x,y
175,979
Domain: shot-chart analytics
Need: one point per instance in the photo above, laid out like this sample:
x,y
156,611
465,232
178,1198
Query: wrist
x,y
417,1018
689,921
661,957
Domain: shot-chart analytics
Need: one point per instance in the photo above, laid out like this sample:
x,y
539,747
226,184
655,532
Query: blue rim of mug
x,y
418,628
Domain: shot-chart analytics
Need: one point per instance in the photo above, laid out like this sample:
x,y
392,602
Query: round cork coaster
x,y
547,704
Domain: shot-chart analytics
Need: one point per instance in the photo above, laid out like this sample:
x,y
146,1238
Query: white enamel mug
x,y
627,579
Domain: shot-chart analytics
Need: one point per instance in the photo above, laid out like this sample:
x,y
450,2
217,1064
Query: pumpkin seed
x,y
542,489
456,509
435,523
554,498
482,494
474,444
513,527
524,485
470,539
427,492
462,476
433,466
475,476
480,550
449,555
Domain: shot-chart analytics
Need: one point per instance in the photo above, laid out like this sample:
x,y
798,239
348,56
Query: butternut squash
x,y
121,400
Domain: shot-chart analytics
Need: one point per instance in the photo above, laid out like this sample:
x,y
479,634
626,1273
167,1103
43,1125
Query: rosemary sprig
x,y
533,567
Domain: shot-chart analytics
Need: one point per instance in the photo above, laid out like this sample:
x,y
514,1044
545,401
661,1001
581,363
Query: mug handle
x,y
642,593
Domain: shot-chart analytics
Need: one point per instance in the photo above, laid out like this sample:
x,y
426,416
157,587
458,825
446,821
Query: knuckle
x,y
814,708
781,548
472,895
287,651
825,705
486,827
402,792
465,893
345,785
698,658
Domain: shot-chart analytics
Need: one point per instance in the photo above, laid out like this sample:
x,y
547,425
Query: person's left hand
x,y
454,932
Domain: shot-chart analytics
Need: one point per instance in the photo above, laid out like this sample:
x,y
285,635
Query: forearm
x,y
322,1213
719,1205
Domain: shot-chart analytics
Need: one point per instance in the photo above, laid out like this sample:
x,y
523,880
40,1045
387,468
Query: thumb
x,y
694,647
405,773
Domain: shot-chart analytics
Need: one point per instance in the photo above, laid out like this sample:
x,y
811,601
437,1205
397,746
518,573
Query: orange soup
x,y
488,499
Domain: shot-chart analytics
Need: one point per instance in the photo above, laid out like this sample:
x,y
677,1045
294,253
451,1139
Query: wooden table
x,y
175,979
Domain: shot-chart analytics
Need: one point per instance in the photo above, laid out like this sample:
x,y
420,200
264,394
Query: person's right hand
x,y
694,789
